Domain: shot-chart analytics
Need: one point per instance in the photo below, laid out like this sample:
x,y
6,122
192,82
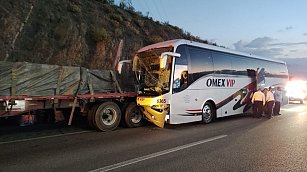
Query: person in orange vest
x,y
258,101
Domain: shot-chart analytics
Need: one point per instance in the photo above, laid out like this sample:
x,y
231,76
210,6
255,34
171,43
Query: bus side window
x,y
201,63
222,63
181,70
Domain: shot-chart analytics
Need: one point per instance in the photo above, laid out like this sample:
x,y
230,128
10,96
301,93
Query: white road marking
x,y
157,154
44,137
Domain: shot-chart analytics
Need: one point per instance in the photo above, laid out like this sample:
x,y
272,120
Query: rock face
x,y
83,33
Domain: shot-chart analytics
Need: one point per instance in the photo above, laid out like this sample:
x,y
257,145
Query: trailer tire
x,y
91,116
133,116
107,116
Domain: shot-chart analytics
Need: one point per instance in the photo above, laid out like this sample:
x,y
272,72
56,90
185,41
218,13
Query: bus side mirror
x,y
163,58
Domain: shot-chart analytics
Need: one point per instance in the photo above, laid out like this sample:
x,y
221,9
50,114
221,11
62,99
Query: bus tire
x,y
208,113
107,116
133,116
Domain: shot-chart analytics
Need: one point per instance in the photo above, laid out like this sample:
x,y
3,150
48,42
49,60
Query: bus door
x,y
181,98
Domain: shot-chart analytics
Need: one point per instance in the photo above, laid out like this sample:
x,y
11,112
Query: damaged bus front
x,y
153,67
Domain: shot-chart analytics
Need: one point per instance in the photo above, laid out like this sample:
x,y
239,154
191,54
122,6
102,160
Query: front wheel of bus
x,y
208,113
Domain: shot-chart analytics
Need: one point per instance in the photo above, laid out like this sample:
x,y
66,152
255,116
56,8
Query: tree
x,y
111,2
126,4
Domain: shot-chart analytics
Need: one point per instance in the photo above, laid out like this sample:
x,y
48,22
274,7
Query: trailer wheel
x,y
107,116
91,116
133,116
208,113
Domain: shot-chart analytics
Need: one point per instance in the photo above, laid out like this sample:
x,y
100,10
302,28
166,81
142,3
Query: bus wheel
x,y
133,116
208,113
107,116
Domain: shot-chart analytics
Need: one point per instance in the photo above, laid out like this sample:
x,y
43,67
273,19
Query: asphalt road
x,y
230,144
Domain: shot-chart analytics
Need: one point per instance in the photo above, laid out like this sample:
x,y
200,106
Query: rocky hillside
x,y
76,32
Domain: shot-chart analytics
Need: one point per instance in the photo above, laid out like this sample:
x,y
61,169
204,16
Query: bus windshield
x,y
153,80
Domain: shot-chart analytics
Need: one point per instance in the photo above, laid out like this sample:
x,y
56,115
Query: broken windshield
x,y
152,79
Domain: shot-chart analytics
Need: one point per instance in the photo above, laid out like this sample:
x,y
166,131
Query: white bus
x,y
181,81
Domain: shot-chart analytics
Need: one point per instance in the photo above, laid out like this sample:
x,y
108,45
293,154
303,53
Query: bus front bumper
x,y
154,112
154,116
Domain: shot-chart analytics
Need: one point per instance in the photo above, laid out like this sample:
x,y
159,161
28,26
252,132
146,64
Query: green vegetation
x,y
100,34
74,8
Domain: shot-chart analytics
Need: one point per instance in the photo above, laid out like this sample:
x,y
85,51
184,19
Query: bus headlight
x,y
160,107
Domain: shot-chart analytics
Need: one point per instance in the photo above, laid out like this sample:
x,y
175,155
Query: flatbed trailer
x,y
104,110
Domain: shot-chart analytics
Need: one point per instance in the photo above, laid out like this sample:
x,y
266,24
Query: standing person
x,y
258,101
265,90
269,98
278,100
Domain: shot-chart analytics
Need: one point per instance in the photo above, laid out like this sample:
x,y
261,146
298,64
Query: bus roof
x,y
177,42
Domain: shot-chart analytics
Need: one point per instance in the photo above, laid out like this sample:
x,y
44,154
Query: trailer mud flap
x,y
158,118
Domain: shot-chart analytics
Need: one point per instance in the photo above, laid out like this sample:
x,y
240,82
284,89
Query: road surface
x,y
230,144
